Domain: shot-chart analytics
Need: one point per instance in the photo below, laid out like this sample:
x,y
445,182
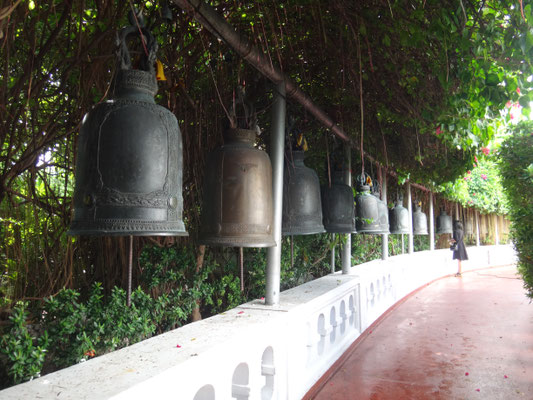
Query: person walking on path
x,y
459,251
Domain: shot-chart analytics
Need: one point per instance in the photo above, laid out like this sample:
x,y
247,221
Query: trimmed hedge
x,y
516,166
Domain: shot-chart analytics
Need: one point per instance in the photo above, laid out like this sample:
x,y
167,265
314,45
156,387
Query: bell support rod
x,y
347,247
277,142
218,26
214,23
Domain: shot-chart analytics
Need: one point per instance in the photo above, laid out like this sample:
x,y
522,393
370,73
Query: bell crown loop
x,y
128,79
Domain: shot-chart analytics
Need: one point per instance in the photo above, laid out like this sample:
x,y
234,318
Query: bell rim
x,y
229,241
303,232
94,232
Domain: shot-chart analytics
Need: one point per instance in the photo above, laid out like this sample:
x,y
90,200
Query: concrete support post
x,y
496,231
431,223
347,248
277,143
476,213
411,247
384,237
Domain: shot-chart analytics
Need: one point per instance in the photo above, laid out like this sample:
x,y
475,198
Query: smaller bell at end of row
x,y
302,205
237,206
444,223
420,222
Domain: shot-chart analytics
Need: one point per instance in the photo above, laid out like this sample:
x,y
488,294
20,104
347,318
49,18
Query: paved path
x,y
458,338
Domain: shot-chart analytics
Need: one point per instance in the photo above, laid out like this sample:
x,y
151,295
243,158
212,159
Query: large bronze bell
x,y
302,205
367,210
399,219
337,206
444,223
129,161
420,221
237,206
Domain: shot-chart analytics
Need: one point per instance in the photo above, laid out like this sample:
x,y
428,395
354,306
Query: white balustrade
x,y
256,351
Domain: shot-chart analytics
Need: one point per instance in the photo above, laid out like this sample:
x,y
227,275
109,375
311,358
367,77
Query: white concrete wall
x,y
256,351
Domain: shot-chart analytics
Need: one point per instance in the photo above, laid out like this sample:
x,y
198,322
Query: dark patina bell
x,y
129,161
337,206
444,223
367,210
302,205
420,221
399,219
237,206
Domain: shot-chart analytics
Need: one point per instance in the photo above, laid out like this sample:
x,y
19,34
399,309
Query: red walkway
x,y
458,338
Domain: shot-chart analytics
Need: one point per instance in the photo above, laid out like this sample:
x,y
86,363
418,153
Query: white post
x,y
476,213
347,248
277,141
385,236
496,233
431,223
410,209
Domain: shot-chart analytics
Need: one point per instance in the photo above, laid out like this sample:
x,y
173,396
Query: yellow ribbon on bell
x,y
302,142
369,181
160,73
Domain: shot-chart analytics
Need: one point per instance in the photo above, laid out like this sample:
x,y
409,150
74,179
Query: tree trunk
x,y
196,315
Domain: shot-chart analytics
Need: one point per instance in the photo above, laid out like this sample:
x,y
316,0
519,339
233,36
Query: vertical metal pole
x,y
496,232
385,236
457,212
130,267
431,223
347,248
477,228
333,254
403,244
277,136
410,209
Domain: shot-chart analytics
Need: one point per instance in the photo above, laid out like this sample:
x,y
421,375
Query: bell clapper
x,y
130,264
241,262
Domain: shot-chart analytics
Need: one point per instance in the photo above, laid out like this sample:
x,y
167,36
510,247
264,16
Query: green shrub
x,y
22,355
517,171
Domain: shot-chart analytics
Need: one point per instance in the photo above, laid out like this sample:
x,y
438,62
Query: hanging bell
x,y
399,219
302,205
337,206
420,221
367,209
444,223
129,162
383,211
237,206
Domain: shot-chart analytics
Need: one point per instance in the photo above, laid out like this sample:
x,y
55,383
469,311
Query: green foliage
x,y
79,330
480,188
516,168
22,356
